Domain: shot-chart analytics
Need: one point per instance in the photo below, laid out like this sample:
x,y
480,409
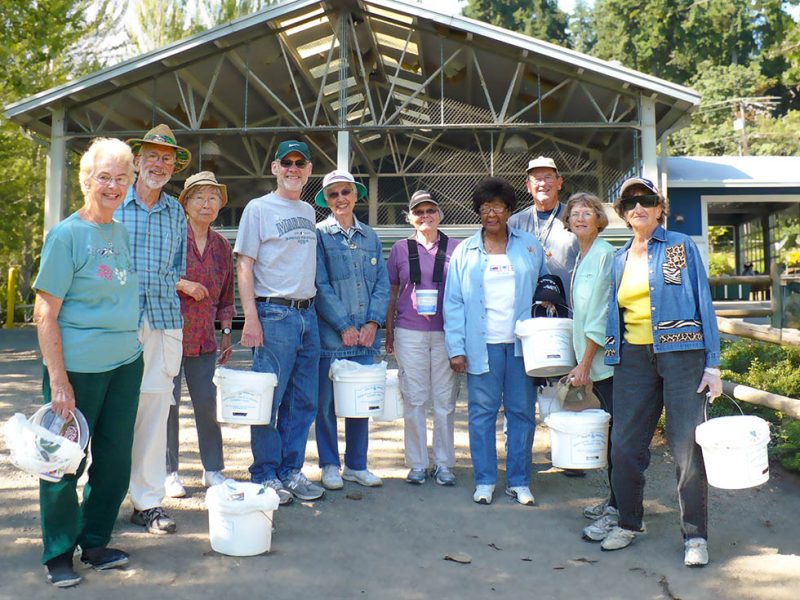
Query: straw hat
x,y
203,178
161,135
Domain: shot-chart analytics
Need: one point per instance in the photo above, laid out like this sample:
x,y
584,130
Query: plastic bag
x,y
241,497
574,398
36,450
346,368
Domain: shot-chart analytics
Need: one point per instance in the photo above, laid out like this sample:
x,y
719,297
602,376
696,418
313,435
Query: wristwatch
x,y
226,331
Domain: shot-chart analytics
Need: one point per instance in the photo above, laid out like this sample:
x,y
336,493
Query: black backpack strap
x,y
441,255
414,272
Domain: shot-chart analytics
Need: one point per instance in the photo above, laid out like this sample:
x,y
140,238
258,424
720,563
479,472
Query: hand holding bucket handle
x,y
711,382
62,399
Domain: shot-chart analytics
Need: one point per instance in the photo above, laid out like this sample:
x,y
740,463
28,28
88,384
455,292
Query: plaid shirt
x,y
158,245
214,269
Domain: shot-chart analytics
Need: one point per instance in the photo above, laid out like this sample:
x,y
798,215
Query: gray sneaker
x,y
619,538
302,488
599,530
596,510
443,476
416,476
284,495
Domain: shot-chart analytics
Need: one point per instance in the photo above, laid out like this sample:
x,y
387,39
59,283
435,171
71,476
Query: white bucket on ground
x,y
546,346
579,440
392,400
548,401
426,302
735,451
358,390
240,518
244,397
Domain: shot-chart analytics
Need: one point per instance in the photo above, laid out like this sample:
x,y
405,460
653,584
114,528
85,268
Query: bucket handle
x,y
535,304
723,395
274,358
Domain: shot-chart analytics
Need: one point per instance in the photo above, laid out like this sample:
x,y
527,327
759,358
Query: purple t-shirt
x,y
398,267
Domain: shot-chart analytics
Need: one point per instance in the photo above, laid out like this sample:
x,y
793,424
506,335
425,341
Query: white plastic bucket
x,y
392,400
244,397
240,518
546,346
548,401
426,302
735,451
579,440
358,391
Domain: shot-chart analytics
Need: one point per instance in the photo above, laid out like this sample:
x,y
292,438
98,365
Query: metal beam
x,y
648,138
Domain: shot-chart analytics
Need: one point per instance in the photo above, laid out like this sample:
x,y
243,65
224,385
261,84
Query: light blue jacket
x,y
464,294
682,314
352,286
591,289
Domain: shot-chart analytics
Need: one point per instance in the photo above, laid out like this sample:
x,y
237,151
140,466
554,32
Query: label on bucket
x,y
589,449
240,403
426,301
369,398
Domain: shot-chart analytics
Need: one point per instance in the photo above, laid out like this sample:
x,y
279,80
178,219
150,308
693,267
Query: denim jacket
x,y
464,296
352,286
682,315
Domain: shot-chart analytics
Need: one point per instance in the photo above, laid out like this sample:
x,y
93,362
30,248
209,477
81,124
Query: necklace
x,y
490,247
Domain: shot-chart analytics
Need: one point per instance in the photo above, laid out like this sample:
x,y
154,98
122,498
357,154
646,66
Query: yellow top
x,y
634,300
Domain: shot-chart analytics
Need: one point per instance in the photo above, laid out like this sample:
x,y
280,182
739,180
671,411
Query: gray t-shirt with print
x,y
280,235
560,246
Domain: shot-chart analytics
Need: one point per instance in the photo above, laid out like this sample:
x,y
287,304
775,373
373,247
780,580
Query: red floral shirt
x,y
214,269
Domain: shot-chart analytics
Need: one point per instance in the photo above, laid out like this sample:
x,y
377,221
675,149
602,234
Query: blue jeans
x,y
644,382
291,351
506,383
356,431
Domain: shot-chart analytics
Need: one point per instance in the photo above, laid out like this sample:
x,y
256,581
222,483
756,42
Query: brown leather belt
x,y
300,304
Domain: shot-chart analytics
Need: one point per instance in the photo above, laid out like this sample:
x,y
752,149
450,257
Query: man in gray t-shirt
x,y
543,219
276,266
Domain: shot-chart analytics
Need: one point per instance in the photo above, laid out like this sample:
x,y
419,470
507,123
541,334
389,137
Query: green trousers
x,y
109,402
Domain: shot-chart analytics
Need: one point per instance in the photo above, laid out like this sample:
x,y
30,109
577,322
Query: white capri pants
x,y
162,350
426,380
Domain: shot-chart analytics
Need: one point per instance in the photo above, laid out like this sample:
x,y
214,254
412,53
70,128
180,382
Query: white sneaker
x,y
522,494
483,494
363,477
331,480
213,478
599,530
695,552
619,538
173,486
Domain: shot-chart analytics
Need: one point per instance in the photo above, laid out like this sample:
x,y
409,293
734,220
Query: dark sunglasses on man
x,y
288,162
646,201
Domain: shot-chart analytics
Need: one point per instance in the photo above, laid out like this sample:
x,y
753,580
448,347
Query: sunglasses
x,y
334,195
421,213
288,162
647,201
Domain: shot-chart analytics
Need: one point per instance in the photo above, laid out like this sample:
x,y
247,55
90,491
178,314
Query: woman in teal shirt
x,y
86,312
591,286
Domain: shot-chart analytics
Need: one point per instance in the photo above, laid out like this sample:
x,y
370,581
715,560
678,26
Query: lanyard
x,y
543,235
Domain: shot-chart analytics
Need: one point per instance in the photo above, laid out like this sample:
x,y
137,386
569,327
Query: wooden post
x,y
13,273
776,294
763,333
789,406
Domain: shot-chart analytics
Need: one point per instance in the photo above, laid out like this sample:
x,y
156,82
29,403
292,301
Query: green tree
x,y
45,43
542,19
582,32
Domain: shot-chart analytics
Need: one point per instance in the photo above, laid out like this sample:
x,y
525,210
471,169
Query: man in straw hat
x,y
157,228
276,249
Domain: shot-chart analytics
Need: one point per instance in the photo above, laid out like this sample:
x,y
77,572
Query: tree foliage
x,y
542,19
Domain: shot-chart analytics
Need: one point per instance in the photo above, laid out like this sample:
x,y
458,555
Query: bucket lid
x,y
241,497
528,327
737,431
567,420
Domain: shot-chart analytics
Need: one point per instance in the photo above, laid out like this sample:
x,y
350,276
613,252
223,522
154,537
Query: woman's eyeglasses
x,y
488,210
288,162
425,212
646,201
334,195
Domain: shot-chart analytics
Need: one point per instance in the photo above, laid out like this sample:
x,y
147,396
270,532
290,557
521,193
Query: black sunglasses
x,y
646,201
288,162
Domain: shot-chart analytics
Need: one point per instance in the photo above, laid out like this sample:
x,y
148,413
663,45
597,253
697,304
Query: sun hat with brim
x,y
161,135
420,197
203,178
338,177
543,162
628,183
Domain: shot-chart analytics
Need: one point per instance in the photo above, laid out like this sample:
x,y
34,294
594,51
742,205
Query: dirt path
x,y
391,542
